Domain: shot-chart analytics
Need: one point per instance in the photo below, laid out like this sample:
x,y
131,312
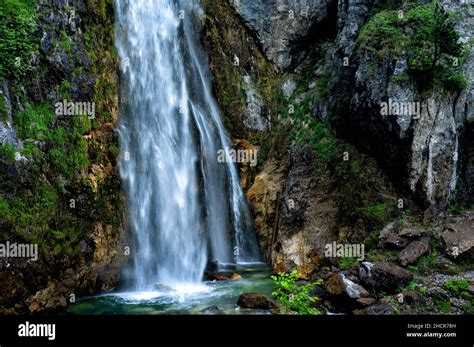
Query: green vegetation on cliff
x,y
60,186
425,35
17,40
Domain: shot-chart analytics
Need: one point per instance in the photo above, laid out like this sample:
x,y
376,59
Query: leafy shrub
x,y
295,297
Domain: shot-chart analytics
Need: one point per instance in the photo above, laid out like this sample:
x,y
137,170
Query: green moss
x,y
3,110
7,153
305,129
345,263
377,255
34,122
444,306
66,42
64,89
377,212
57,153
69,160
17,38
469,308
427,263
457,286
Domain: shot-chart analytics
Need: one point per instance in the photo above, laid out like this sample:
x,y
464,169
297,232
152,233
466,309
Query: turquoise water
x,y
185,299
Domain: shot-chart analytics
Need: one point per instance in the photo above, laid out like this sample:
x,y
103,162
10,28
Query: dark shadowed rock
x,y
413,298
389,238
282,26
364,302
379,309
253,300
414,251
384,276
211,266
394,242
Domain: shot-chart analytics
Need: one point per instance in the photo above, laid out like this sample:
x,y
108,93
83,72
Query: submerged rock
x,y
211,310
223,276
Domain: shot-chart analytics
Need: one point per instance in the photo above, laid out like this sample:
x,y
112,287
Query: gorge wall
x,y
59,185
302,81
305,82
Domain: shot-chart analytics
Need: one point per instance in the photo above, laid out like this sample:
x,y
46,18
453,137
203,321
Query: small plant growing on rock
x,y
295,297
444,306
457,286
346,263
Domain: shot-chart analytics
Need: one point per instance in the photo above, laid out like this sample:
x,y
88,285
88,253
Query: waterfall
x,y
184,206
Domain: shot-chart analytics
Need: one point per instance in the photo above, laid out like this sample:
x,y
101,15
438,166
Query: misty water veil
x,y
185,207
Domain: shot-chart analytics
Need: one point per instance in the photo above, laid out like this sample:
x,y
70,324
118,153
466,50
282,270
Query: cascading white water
x,y
185,207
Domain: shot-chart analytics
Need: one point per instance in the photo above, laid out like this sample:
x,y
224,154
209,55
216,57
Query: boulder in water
x,y
254,300
211,310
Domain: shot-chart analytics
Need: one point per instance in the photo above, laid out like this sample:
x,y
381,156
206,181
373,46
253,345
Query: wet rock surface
x,y
256,301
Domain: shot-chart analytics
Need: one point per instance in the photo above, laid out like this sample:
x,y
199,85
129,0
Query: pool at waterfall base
x,y
208,297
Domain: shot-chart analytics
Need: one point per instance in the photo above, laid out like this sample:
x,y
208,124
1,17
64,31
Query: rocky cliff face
x,y
60,188
330,76
421,151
